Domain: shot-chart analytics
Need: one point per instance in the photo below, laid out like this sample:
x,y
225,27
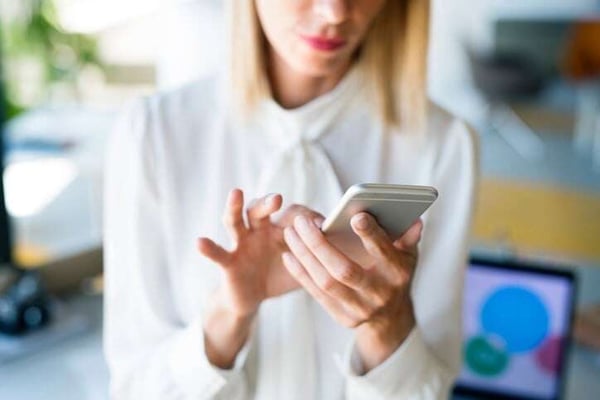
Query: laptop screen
x,y
516,326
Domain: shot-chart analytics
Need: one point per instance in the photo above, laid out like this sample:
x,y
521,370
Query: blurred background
x,y
525,74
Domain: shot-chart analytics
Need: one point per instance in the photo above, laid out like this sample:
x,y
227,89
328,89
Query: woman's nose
x,y
332,11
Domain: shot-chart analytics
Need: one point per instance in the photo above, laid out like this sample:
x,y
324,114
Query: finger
x,y
378,244
233,218
213,251
317,273
375,240
410,239
291,212
333,307
336,263
318,220
259,212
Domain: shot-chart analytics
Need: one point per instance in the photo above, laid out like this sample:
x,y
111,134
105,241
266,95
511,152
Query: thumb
x,y
213,251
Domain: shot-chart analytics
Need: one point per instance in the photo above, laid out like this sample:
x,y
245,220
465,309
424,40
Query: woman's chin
x,y
320,67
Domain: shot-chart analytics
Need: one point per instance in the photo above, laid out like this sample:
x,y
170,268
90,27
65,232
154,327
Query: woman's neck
x,y
292,89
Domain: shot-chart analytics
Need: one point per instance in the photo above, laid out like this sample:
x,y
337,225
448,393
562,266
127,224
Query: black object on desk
x,y
505,77
23,302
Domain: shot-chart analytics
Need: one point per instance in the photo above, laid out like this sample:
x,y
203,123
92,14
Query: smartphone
x,y
395,207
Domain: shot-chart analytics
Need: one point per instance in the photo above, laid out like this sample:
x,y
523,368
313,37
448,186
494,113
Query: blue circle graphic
x,y
516,315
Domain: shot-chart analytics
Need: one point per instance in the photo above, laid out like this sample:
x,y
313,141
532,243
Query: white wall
x,y
192,43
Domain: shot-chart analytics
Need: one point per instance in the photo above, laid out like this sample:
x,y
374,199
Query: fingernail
x,y
270,198
318,222
288,261
361,222
286,256
301,223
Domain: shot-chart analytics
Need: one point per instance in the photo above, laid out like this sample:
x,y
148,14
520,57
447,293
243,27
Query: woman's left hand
x,y
374,299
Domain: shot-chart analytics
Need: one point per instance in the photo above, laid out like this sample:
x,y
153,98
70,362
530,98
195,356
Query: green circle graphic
x,y
484,357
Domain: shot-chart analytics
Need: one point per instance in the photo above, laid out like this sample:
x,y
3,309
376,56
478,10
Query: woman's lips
x,y
324,44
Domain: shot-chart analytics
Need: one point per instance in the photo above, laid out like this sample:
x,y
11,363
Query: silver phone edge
x,y
362,188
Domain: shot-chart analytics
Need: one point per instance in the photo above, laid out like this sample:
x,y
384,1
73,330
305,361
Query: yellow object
x,y
30,256
535,218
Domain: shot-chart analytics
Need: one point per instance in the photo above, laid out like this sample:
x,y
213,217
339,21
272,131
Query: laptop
x,y
517,322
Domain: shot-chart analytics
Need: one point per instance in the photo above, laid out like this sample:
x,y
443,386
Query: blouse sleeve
x,y
150,354
425,366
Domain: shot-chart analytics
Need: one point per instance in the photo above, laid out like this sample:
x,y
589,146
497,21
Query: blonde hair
x,y
393,58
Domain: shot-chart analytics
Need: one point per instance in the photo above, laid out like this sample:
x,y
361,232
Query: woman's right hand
x,y
253,271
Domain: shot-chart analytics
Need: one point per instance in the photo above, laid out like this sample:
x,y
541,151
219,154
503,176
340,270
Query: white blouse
x,y
173,158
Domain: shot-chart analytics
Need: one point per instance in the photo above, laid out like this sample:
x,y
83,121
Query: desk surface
x,y
76,370
72,370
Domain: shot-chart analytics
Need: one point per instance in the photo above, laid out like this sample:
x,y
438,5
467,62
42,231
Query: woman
x,y
321,94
